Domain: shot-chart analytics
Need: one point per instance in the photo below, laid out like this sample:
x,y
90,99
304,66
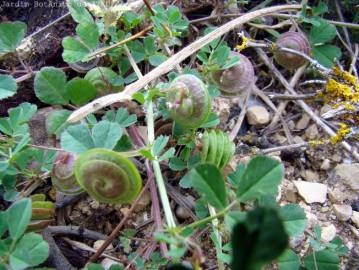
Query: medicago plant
x,y
119,54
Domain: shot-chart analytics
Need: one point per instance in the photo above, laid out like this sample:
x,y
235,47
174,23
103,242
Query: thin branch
x,y
291,97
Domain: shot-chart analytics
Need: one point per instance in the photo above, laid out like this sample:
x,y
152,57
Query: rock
x,y
258,115
279,139
312,192
182,213
143,202
107,263
99,243
349,174
328,233
310,176
312,132
325,165
221,106
336,158
355,218
298,139
303,122
343,211
290,192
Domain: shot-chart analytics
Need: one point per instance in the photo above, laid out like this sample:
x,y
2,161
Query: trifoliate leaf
x,y
8,86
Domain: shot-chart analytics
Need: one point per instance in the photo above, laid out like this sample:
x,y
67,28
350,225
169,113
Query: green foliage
x,y
208,181
20,251
8,86
56,122
78,11
168,24
322,260
294,219
49,86
11,34
320,33
289,261
253,244
261,177
80,91
121,117
77,48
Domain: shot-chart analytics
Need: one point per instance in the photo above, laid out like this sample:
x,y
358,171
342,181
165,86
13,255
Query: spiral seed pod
x,y
292,40
189,101
107,176
217,148
101,78
237,79
63,175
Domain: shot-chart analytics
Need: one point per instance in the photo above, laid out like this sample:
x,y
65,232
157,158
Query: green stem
x,y
212,212
210,218
157,170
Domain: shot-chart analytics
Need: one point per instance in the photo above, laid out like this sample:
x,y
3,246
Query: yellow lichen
x,y
342,132
244,44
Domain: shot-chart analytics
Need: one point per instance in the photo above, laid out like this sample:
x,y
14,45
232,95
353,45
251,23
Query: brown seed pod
x,y
292,40
237,79
63,175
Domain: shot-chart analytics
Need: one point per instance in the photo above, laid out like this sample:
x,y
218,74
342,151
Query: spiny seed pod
x,y
83,67
217,148
189,101
237,79
43,213
107,176
101,78
292,40
63,175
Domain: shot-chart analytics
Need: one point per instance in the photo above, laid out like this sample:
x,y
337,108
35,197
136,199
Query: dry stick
x,y
241,116
291,97
118,228
282,105
170,63
345,30
122,42
284,147
302,104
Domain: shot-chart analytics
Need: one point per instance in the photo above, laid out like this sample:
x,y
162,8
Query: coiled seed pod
x,y
237,79
217,148
101,78
189,101
292,40
63,175
107,176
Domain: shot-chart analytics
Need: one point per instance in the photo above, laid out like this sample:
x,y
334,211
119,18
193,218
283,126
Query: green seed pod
x,y
189,101
101,78
63,175
108,176
292,40
217,148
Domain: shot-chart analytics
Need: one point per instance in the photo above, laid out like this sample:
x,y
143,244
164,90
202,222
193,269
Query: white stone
x,y
312,192
99,243
343,211
258,115
312,132
325,165
182,213
107,263
355,218
349,173
328,233
303,122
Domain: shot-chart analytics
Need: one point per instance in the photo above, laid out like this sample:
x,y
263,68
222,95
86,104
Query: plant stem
x,y
210,218
212,212
157,170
